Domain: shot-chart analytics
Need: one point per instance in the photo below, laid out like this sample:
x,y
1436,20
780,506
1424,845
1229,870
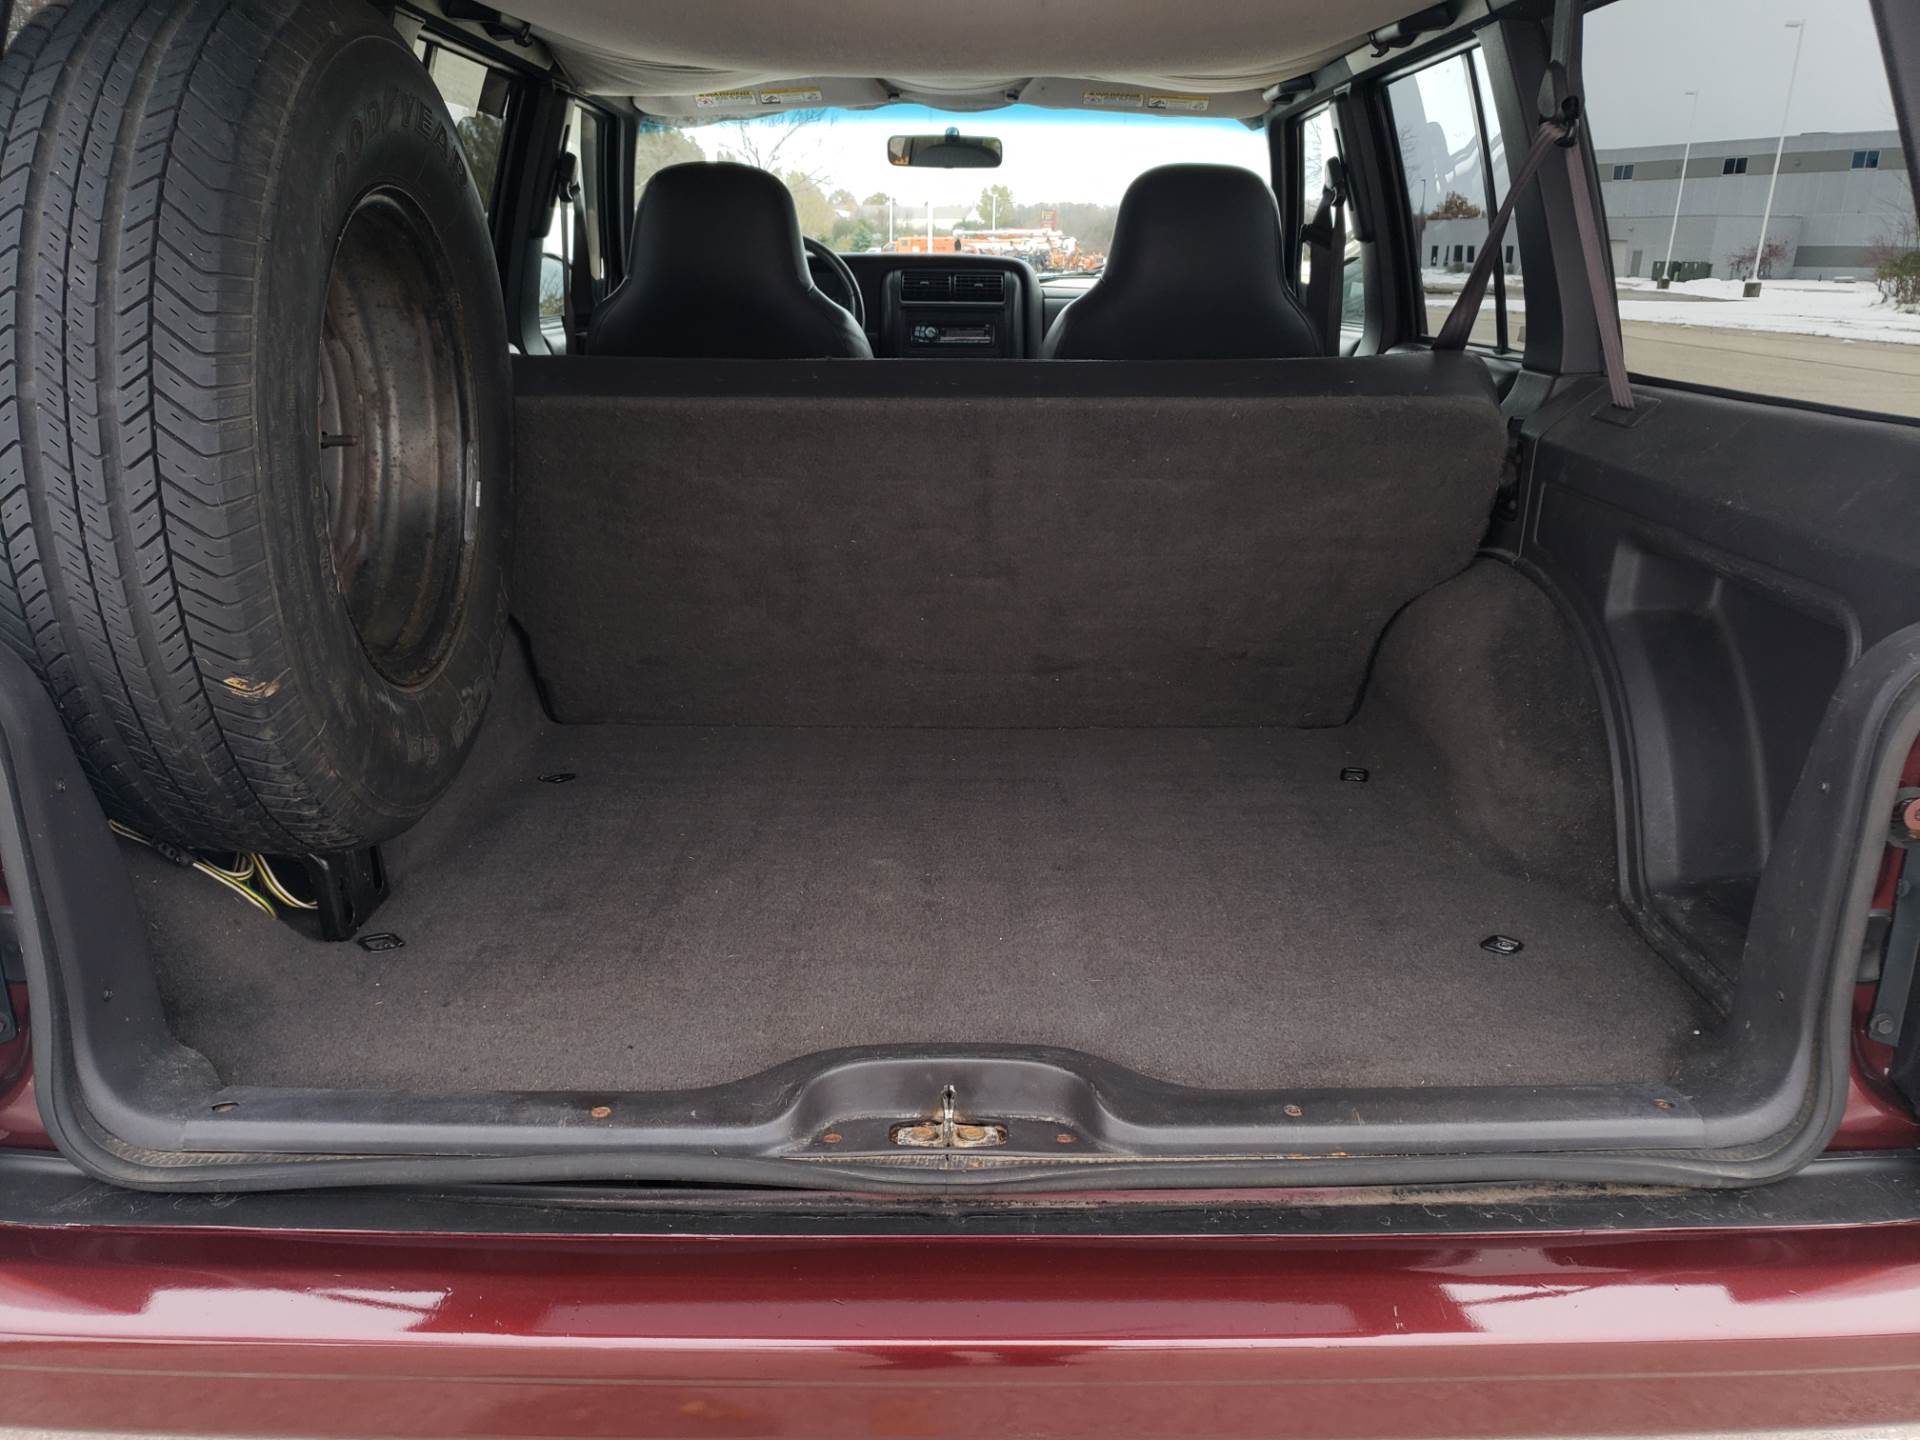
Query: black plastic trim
x,y
1883,1188
1608,508
880,278
1375,377
1898,23
1780,402
445,31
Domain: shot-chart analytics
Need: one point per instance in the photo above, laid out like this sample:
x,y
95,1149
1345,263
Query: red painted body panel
x,y
1874,1119
238,1332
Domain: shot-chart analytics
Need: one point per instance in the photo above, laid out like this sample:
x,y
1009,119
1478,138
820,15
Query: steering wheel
x,y
833,277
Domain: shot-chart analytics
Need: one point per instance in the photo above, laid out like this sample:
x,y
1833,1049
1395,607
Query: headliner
x,y
1131,54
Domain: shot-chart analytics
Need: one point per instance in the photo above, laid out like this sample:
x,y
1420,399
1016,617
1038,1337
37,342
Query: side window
x,y
477,98
660,144
1456,173
1319,139
1798,279
577,240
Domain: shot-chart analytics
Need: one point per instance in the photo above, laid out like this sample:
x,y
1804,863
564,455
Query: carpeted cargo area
x,y
837,663
1212,907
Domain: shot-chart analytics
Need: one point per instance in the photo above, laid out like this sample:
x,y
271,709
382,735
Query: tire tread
x,y
134,572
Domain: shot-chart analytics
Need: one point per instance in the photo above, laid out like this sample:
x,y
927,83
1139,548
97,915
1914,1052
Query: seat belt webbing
x,y
1326,240
585,294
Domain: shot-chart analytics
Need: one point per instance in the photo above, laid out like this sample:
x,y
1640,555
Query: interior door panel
x,y
1727,561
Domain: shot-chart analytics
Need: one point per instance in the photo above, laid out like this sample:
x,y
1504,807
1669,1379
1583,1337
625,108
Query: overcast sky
x,y
1642,55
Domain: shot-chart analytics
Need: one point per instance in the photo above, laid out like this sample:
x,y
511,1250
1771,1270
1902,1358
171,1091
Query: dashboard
x,y
950,306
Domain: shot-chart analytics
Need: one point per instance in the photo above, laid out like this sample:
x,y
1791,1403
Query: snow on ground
x,y
1445,284
1844,311
1841,310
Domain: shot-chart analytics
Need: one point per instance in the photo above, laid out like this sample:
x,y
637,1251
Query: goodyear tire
x,y
254,415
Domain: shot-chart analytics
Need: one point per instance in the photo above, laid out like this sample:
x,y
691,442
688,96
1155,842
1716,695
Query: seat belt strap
x,y
1563,129
1466,309
1326,240
585,297
1606,306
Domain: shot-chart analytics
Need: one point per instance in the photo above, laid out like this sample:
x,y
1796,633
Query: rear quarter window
x,y
476,97
1455,167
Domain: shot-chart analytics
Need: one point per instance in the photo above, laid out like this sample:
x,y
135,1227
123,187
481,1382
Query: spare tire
x,y
255,415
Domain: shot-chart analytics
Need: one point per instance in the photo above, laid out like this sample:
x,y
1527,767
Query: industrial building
x,y
1843,199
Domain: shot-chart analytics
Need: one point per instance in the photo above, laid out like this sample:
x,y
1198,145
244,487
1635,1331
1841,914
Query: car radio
x,y
954,310
931,335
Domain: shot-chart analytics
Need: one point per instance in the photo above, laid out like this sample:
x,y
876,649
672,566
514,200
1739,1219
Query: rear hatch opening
x,y
1043,701
1029,953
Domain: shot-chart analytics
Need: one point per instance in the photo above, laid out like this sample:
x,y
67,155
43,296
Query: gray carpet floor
x,y
1211,907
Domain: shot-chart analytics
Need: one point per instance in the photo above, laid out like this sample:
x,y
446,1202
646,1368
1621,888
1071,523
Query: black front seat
x,y
718,270
1194,273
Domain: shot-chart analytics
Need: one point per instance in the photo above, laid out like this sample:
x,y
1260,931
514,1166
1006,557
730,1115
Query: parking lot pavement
x,y
1854,374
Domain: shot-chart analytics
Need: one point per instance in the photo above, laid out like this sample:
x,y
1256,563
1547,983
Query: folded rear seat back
x,y
986,544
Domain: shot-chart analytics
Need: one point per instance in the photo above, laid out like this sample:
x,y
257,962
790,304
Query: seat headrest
x,y
1199,224
718,218
1195,272
717,269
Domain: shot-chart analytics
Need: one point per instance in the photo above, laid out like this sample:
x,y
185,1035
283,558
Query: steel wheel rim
x,y
395,439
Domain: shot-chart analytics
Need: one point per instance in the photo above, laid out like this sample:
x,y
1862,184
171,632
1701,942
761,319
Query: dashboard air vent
x,y
969,287
986,287
926,285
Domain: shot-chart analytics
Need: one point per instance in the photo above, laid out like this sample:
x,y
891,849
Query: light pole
x,y
1422,217
1752,288
1666,270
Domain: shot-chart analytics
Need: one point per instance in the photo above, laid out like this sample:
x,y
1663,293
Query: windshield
x,y
1051,202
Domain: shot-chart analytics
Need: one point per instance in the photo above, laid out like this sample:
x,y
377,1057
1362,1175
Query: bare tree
x,y
1741,261
656,147
1456,207
766,145
1896,263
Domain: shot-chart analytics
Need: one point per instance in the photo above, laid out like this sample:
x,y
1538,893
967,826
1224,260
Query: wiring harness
x,y
239,876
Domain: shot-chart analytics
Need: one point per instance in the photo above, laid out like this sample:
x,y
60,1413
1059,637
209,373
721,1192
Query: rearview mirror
x,y
951,151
